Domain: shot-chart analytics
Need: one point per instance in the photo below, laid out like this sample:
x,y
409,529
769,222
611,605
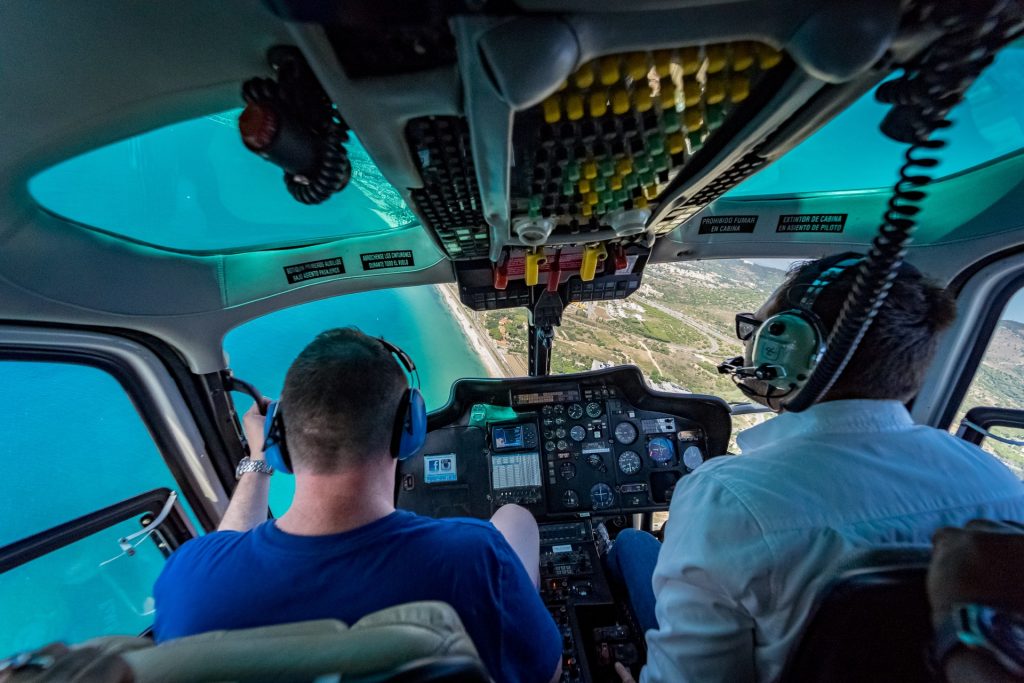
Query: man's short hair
x,y
892,358
340,401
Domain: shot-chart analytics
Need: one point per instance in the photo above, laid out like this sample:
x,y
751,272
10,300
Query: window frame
x,y
158,384
983,290
174,530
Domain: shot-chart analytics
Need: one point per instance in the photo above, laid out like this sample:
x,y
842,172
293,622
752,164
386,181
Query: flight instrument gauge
x,y
567,471
578,433
629,462
625,433
575,411
594,409
571,499
560,433
601,496
692,457
660,450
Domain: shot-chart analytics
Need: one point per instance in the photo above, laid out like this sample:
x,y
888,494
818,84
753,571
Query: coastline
x,y
489,356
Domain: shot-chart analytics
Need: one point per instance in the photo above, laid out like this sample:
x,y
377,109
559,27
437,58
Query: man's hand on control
x,y
624,673
253,425
982,563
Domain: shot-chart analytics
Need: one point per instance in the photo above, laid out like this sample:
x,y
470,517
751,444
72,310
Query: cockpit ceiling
x,y
193,187
606,136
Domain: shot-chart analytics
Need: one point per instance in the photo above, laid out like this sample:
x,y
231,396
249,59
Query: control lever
x,y
232,383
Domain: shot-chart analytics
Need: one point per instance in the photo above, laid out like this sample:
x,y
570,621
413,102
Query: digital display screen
x,y
515,471
569,394
691,435
507,438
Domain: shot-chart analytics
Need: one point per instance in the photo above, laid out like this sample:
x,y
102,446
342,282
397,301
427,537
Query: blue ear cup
x,y
412,425
274,448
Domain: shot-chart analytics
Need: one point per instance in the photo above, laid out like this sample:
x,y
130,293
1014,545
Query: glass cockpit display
x,y
518,470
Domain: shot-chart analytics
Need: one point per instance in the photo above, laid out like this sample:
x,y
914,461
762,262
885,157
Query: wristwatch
x,y
250,465
982,628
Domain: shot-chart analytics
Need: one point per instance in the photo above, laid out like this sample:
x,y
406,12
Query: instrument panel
x,y
598,443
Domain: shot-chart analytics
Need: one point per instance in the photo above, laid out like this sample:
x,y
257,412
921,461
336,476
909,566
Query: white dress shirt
x,y
752,539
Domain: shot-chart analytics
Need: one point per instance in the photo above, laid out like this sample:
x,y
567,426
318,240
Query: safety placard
x,y
713,225
439,468
379,260
811,222
312,270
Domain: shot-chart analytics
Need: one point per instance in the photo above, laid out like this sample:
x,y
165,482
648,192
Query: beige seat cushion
x,y
376,643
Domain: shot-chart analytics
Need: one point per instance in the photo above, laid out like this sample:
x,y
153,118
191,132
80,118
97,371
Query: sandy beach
x,y
493,361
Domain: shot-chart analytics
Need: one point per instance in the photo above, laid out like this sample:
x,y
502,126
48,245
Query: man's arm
x,y
248,505
714,562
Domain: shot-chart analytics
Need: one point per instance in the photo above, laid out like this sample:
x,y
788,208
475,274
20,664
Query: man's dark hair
x,y
891,360
340,400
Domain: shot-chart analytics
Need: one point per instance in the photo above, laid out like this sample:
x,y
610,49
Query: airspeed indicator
x,y
625,433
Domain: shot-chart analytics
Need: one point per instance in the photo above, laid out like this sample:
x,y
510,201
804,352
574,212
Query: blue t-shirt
x,y
233,580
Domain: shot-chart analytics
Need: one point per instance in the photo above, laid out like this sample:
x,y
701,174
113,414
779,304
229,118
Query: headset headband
x,y
403,359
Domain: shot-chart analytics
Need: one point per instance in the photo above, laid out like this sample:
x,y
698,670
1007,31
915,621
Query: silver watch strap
x,y
250,465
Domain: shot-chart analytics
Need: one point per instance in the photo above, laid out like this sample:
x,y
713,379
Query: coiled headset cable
x,y
293,123
921,98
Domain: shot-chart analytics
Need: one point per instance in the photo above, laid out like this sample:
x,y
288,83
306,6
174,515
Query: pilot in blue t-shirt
x,y
234,580
342,551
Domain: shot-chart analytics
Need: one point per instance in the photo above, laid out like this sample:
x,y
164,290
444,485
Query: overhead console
x,y
547,148
593,443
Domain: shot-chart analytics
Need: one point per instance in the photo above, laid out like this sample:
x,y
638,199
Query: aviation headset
x,y
407,435
788,345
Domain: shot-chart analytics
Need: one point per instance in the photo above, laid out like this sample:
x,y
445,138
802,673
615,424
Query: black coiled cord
x,y
921,99
298,95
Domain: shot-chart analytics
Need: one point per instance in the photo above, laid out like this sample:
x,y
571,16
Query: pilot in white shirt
x,y
753,539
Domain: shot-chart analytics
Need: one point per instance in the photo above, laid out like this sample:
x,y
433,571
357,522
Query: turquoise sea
x,y
73,443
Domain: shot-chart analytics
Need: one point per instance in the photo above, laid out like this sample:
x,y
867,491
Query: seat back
x,y
420,642
872,623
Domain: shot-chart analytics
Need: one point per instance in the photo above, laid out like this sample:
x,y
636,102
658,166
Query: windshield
x,y
677,328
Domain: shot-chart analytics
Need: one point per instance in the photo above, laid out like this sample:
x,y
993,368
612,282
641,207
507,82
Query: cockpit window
x,y
420,320
193,186
999,383
850,153
677,328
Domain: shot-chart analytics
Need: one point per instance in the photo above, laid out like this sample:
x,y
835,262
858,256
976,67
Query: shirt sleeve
x,y
713,571
530,642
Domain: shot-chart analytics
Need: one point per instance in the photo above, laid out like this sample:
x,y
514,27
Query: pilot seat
x,y
419,642
872,623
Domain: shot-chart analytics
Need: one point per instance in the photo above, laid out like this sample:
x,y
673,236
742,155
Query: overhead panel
x,y
602,149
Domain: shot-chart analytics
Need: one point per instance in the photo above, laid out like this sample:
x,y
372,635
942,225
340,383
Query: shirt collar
x,y
831,417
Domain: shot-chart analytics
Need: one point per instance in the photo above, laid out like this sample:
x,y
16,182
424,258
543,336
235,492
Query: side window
x,y
999,383
73,443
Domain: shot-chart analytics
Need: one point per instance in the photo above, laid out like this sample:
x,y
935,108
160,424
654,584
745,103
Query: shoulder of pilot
x,y
464,533
466,526
211,543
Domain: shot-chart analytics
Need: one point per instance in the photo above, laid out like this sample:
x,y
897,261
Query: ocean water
x,y
73,443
